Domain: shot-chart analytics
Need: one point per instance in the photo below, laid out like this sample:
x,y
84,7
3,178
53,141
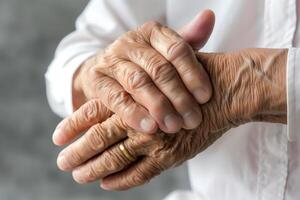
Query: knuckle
x,y
74,158
161,104
92,173
140,177
108,59
103,85
89,112
114,47
147,28
116,120
94,78
150,24
129,34
132,39
95,138
106,63
92,71
137,80
112,161
157,167
125,44
161,71
192,73
177,49
117,99
71,124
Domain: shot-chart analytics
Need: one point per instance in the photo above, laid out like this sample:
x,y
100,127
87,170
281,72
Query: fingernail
x,y
148,124
192,119
77,176
173,122
62,162
57,136
201,95
105,186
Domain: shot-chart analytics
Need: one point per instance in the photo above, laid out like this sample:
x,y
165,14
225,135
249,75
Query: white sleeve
x,y
99,25
293,94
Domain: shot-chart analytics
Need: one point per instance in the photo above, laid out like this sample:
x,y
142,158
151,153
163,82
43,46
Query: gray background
x,y
29,33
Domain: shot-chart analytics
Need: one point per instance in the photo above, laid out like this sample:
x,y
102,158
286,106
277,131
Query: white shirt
x,y
254,161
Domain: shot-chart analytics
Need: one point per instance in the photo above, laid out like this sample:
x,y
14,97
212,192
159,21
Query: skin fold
x,y
248,85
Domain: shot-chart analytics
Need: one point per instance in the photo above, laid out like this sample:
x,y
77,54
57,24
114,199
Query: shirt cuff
x,y
59,80
293,94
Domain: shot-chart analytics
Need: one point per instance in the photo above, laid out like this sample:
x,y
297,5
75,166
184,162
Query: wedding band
x,y
125,152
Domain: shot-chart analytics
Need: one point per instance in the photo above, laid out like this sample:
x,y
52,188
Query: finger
x,y
139,84
198,31
138,174
120,102
165,76
89,114
181,55
94,141
109,162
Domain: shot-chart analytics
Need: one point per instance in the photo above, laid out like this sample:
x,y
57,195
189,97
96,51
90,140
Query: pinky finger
x,y
138,174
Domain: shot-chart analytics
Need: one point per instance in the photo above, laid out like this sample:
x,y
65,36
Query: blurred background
x,y
29,33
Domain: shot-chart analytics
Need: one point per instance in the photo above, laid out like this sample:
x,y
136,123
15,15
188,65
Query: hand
x,y
195,33
248,86
147,74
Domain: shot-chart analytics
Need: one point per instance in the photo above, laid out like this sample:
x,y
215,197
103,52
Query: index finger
x,y
168,43
94,141
89,114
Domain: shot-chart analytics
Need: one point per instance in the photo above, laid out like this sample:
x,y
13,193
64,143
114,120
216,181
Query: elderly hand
x,y
149,77
248,86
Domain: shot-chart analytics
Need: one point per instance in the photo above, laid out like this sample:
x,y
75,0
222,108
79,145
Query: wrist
x,y
270,84
250,84
78,96
262,77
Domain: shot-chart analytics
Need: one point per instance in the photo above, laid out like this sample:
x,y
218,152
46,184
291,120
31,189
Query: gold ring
x,y
125,152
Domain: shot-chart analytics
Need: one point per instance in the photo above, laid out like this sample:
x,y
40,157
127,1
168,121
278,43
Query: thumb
x,y
198,31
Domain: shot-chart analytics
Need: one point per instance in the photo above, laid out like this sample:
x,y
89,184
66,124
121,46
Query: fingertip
x,y
109,185
77,177
138,118
61,162
57,137
203,94
105,186
208,18
208,12
148,125
198,31
192,119
173,123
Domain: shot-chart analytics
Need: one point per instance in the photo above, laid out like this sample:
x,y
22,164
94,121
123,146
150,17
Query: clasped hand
x,y
239,80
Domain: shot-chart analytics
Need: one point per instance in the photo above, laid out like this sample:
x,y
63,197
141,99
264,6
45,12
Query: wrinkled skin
x,y
147,77
248,85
